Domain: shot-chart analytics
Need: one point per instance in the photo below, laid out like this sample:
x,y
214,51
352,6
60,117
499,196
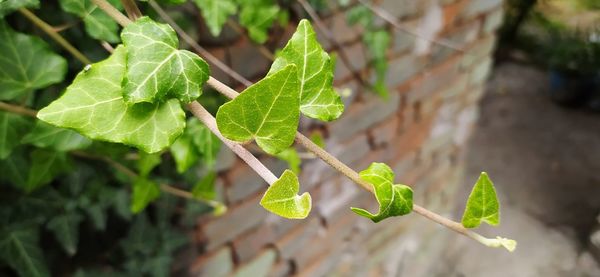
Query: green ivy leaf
x,y
282,198
196,142
205,188
258,16
96,93
147,162
290,155
144,192
66,230
482,205
12,128
318,99
45,135
26,64
394,200
216,13
97,23
360,14
45,165
378,42
266,111
156,69
19,249
9,6
14,169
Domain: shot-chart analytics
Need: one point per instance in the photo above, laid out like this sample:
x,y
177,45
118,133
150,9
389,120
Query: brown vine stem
x,y
17,109
131,9
257,166
52,33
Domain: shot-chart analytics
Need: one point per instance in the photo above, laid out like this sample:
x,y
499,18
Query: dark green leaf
x,y
45,166
66,230
45,135
14,169
19,249
205,188
12,128
144,192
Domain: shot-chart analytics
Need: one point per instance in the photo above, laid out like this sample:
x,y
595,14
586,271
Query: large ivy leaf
x,y
318,99
45,165
66,230
197,142
482,205
394,200
26,64
45,135
98,24
267,111
8,6
156,69
282,198
93,105
144,192
216,13
19,249
258,16
12,128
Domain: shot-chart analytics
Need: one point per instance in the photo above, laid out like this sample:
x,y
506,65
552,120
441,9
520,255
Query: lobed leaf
x,y
394,200
318,99
216,13
258,16
282,198
45,135
26,64
267,111
482,205
19,249
156,69
12,128
93,105
98,24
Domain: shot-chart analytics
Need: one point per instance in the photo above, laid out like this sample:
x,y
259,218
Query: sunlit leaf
x,y
98,24
147,162
45,135
394,200
216,13
156,69
282,198
12,128
266,111
66,230
144,192
26,64
482,205
318,99
96,93
19,249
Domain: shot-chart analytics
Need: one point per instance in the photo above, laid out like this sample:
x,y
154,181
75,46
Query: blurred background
x,y
440,90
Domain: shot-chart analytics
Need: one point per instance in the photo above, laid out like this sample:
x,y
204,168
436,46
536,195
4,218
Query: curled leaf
x,y
282,198
482,205
394,200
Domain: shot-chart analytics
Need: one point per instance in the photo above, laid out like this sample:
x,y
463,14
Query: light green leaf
x,y
156,69
19,249
66,230
184,153
282,198
258,16
205,188
26,64
196,142
266,111
45,165
144,192
216,13
12,128
317,139
97,23
394,200
45,135
147,162
482,205
318,99
9,6
290,155
96,93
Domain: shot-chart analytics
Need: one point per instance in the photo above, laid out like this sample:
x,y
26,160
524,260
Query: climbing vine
x,y
128,109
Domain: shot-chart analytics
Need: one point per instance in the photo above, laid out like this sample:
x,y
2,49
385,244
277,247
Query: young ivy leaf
x,y
318,99
267,111
97,23
482,204
96,93
26,64
216,13
394,200
156,69
144,192
282,198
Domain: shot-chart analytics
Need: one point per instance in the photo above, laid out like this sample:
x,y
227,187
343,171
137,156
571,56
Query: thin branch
x,y
394,22
131,9
109,9
17,109
199,49
52,33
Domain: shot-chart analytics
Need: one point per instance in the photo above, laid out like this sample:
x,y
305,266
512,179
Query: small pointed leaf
x,y
318,99
482,205
258,16
266,111
394,200
45,166
144,192
98,24
93,106
156,69
66,230
282,198
205,188
216,13
19,249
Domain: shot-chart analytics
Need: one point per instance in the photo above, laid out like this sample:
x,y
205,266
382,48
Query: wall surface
x,y
420,131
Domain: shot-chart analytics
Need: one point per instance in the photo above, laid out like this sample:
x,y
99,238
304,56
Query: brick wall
x,y
420,131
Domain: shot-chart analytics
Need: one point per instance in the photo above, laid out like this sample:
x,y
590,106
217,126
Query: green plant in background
x,y
56,186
